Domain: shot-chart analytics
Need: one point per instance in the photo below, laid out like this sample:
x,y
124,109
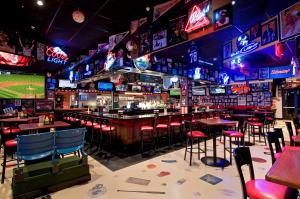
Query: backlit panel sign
x,y
281,72
14,60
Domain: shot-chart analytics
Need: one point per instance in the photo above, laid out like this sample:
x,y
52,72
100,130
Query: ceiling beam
x,y
54,17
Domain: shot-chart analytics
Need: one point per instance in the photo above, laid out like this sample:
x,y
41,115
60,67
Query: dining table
x,y
34,127
211,123
285,170
18,119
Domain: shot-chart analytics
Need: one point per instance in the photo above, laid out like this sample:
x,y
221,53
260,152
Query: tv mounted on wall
x,y
105,86
216,90
22,86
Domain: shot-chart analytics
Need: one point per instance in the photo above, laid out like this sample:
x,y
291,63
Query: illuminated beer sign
x,y
56,55
197,18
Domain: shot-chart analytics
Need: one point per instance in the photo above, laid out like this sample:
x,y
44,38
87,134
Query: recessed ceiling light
x,y
147,8
32,27
40,2
233,2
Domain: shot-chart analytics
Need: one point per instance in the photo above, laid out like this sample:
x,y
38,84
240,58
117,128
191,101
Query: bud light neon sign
x,y
56,55
197,18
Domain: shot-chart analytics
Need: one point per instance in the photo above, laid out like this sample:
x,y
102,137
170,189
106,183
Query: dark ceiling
x,y
54,22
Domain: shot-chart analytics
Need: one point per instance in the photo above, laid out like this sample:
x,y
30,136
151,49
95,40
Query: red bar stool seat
x,y
196,134
106,128
253,119
234,134
8,130
256,124
11,143
146,128
89,124
162,126
175,124
261,189
82,122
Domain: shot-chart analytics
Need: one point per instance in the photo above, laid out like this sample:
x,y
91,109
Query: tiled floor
x,y
193,187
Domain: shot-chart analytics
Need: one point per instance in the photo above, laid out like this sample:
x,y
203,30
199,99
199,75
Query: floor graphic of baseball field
x,y
16,86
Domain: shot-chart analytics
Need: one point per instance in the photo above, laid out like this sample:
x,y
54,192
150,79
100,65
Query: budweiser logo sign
x,y
56,55
197,18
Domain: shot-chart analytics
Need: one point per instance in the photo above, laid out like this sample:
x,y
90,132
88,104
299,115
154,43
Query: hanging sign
x,y
56,55
142,63
162,8
197,17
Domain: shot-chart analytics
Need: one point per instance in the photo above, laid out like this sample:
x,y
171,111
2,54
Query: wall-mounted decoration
x,y
223,17
78,16
15,60
159,40
110,60
269,31
7,42
116,39
227,50
142,63
40,51
290,21
197,17
281,72
162,8
255,31
145,43
176,30
263,73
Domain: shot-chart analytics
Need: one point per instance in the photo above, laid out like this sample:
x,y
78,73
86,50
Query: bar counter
x,y
128,126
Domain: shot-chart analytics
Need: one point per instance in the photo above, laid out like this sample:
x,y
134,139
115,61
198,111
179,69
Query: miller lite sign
x,y
198,17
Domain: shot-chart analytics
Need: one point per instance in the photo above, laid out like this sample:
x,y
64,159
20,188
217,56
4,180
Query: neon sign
x,y
56,55
142,63
197,74
197,18
249,47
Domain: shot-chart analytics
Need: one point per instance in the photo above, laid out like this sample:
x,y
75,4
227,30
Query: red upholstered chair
x,y
274,143
193,135
238,136
256,126
259,188
291,134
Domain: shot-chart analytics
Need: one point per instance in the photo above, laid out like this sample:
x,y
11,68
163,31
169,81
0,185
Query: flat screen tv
x,y
136,88
199,91
22,86
105,86
175,92
121,88
156,90
217,90
64,83
83,97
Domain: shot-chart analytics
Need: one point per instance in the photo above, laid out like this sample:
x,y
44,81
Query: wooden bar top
x,y
217,122
285,170
37,126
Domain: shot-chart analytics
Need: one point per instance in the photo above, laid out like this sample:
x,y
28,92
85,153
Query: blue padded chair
x,y
35,146
70,141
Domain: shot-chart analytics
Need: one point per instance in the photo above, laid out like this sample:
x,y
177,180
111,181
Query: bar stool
x,y
259,188
8,145
162,125
238,136
253,127
106,128
175,125
144,130
191,135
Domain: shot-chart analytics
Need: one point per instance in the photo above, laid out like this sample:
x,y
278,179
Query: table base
x,y
220,162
